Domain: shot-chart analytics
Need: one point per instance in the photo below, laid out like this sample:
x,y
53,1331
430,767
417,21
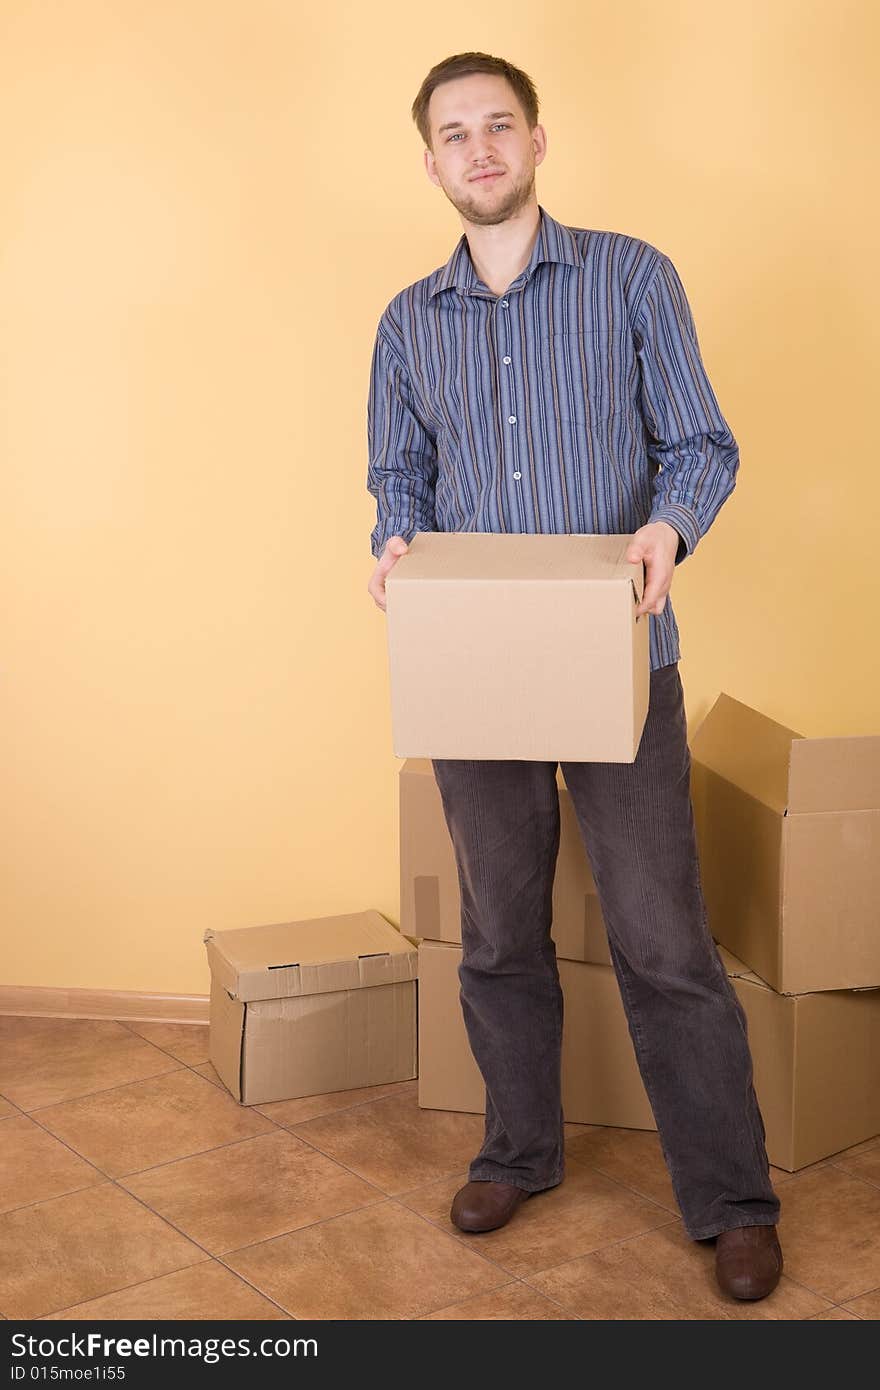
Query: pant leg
x,y
503,819
686,1022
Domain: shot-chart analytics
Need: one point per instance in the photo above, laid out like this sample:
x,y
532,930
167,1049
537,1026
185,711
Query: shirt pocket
x,y
581,374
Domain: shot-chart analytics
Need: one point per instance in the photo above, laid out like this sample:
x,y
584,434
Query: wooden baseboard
x,y
127,1006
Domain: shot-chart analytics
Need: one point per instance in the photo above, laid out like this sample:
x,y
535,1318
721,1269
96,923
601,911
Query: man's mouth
x,y
487,178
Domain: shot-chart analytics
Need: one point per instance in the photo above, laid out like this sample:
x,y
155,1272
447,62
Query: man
x,y
548,379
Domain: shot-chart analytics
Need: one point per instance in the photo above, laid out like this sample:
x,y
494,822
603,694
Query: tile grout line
x,y
105,1090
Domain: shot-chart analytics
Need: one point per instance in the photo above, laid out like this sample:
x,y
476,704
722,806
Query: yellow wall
x,y
206,206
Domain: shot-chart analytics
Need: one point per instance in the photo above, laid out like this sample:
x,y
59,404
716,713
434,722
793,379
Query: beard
x,y
488,212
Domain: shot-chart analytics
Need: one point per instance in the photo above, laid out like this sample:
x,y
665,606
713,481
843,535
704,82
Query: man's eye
x,y
503,125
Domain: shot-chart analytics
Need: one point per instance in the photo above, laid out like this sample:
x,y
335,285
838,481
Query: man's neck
x,y
501,252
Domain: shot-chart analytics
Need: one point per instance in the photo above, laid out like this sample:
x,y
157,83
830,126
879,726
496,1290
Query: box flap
x,y
747,749
491,556
313,956
835,774
737,969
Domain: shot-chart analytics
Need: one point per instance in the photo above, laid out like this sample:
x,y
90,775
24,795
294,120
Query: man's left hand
x,y
657,545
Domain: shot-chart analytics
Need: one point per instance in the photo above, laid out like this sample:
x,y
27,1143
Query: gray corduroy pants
x,y
687,1025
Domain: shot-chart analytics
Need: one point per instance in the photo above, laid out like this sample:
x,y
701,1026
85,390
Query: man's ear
x,y
430,168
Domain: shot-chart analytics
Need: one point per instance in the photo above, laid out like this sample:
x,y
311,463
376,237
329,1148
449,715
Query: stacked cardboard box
x,y
789,839
816,1055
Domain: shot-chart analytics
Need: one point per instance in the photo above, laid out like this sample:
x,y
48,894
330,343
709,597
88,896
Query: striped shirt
x,y
575,402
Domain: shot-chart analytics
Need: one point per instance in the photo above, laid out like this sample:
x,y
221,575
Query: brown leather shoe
x,y
484,1206
748,1261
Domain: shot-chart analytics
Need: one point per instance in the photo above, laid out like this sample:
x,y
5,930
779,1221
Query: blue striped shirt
x,y
575,402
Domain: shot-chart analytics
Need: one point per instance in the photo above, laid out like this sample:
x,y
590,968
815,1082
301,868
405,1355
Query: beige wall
x,y
205,208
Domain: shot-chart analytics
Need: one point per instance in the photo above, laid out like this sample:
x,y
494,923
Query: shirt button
x,y
517,475
504,303
511,419
505,359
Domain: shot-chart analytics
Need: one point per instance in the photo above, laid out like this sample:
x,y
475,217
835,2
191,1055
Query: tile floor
x,y
133,1186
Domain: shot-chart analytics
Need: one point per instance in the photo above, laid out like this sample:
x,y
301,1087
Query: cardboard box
x,y
817,1066
816,1057
301,1008
517,646
600,1078
789,840
430,898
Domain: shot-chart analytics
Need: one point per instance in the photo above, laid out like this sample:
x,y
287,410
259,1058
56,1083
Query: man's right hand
x,y
394,548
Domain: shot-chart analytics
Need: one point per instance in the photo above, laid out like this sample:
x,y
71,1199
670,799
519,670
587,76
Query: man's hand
x,y
394,548
656,544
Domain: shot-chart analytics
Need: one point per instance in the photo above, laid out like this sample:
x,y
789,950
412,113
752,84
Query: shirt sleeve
x,y
402,468
697,455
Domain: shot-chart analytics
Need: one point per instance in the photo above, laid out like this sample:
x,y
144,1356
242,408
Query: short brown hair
x,y
462,65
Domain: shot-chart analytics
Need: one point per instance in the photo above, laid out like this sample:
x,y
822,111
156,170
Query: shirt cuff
x,y
683,520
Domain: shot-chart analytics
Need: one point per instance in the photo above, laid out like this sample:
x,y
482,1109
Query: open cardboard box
x,y
789,840
517,646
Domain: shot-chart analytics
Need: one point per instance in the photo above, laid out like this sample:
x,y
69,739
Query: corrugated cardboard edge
x,y
366,970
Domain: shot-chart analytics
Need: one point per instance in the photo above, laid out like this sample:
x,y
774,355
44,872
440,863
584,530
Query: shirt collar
x,y
554,242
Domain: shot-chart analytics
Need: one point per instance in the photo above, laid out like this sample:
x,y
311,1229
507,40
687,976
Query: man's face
x,y
477,125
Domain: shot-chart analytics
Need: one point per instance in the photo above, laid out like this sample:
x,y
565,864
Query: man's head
x,y
477,114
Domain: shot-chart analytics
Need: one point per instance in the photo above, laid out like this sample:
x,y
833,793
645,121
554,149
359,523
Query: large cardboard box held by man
x,y
517,646
323,1004
430,899
789,840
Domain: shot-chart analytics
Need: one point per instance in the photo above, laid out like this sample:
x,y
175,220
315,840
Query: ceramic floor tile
x,y
632,1157
834,1315
34,1166
202,1292
380,1262
251,1191
6,1108
13,1026
295,1112
865,1165
394,1143
188,1042
587,1210
856,1149
513,1303
661,1276
830,1233
148,1122
866,1306
59,1059
57,1253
